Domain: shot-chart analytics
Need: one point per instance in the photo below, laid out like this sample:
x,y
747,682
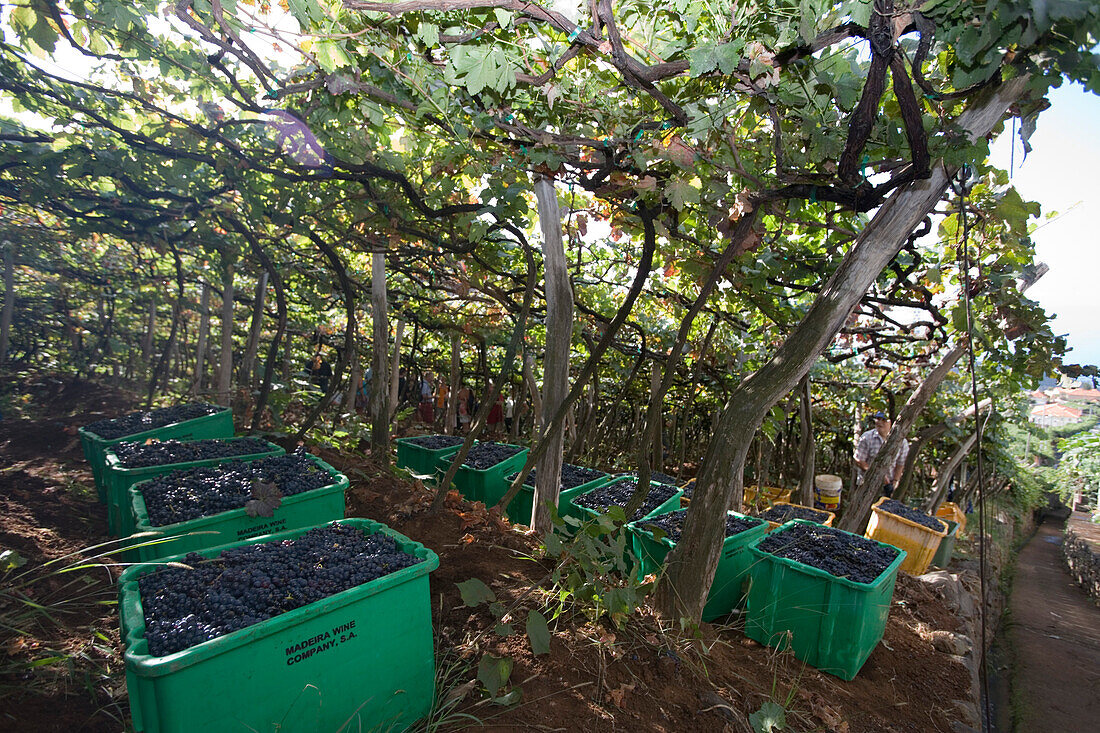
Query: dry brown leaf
x,y
616,696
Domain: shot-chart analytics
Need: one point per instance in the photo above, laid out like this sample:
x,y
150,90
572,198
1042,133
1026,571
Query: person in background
x,y
426,404
463,399
441,400
509,411
401,384
362,395
496,413
320,371
869,445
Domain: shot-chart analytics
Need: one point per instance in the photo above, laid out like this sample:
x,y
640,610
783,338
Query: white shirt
x,y
870,443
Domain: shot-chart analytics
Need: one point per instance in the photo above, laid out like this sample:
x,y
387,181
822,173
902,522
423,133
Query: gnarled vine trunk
x,y
380,393
555,368
682,590
225,364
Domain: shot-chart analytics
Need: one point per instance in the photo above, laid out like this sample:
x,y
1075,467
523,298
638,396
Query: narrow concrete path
x,y
1054,637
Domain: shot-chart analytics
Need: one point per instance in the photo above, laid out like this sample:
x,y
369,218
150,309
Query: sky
x,y
1061,174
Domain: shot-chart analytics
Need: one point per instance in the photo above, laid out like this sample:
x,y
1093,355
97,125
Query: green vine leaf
x,y
493,672
474,593
538,633
770,717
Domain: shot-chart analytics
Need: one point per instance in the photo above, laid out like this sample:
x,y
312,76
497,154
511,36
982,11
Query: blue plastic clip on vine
x,y
576,32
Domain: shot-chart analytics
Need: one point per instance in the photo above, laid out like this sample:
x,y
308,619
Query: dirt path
x,y
1055,640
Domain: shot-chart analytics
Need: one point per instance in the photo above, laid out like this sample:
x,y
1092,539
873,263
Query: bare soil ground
x,y
640,677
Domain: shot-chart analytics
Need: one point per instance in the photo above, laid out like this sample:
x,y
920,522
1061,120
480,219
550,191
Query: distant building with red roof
x,y
1054,415
1084,395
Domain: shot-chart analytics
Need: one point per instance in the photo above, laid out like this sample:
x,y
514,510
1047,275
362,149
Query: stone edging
x,y
1081,550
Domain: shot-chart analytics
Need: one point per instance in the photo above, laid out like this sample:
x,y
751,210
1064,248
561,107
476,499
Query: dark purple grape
x,y
486,455
139,422
246,585
838,553
673,524
786,512
167,452
895,507
188,494
619,493
571,476
435,442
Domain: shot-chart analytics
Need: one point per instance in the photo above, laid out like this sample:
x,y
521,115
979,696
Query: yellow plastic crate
x,y
920,543
950,510
770,494
828,522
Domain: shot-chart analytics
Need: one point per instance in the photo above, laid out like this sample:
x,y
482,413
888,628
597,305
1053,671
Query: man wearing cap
x,y
870,443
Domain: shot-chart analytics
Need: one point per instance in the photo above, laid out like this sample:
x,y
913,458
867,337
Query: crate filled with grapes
x,y
654,538
481,475
181,422
909,529
202,507
782,512
128,463
821,592
420,453
576,478
587,503
323,628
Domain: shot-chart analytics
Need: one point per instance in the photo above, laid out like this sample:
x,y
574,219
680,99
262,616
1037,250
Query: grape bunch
x,y
618,493
487,455
166,452
835,551
571,476
435,442
242,586
139,422
897,508
188,494
673,524
786,512
655,476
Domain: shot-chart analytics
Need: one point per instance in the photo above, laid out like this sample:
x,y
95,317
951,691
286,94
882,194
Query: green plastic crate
x,y
215,425
828,622
519,509
299,510
946,550
379,673
485,485
568,509
421,461
726,592
118,480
